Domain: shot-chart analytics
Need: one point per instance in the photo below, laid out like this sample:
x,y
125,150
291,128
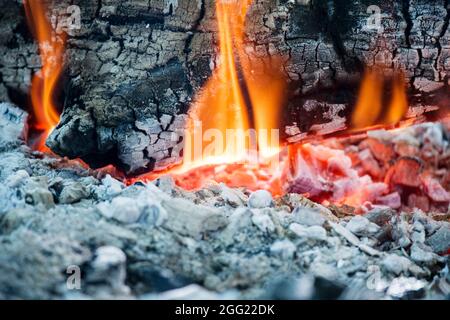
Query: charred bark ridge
x,y
134,66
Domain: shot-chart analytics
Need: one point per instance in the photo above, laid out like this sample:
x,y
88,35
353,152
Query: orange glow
x,y
43,85
245,93
370,110
242,98
235,116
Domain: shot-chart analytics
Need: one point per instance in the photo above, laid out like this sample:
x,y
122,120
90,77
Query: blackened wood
x,y
135,65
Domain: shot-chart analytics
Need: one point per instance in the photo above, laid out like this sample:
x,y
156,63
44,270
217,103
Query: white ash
x,y
16,179
108,268
157,241
12,126
423,254
260,199
361,226
232,197
311,233
283,249
122,209
402,286
396,264
111,187
72,192
191,292
263,221
308,217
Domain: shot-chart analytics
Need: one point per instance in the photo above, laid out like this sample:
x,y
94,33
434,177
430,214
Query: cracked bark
x,y
135,65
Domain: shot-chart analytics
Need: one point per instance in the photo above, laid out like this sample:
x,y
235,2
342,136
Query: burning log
x,y
134,68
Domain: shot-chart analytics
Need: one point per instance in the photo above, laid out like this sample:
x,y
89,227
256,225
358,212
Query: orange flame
x,y
240,95
399,103
236,113
43,85
370,111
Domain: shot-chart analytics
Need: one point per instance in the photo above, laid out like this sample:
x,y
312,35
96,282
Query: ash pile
x,y
67,232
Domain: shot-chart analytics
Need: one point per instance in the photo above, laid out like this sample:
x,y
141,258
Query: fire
x,y
399,103
370,110
44,83
236,114
238,108
232,132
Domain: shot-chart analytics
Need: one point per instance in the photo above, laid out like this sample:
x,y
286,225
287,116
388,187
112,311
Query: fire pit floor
x,y
158,241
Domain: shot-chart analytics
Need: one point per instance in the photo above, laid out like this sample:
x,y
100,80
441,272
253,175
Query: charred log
x,y
134,66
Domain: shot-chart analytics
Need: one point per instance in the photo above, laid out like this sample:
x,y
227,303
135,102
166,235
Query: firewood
x,y
133,67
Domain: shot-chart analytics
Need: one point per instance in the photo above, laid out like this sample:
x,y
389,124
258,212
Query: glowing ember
x,y
325,173
44,83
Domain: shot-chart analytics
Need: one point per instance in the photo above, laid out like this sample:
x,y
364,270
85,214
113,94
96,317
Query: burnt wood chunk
x,y
134,66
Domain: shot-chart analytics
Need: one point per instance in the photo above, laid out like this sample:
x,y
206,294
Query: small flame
x,y
370,110
44,83
399,103
369,103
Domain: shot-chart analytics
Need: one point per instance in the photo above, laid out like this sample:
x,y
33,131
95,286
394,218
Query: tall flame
x,y
240,95
44,83
370,111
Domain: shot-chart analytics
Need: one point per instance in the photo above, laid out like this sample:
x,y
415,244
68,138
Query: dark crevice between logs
x,y
409,21
332,20
339,26
442,34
